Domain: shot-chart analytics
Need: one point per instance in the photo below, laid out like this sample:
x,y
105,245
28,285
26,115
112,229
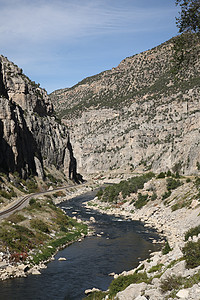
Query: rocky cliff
x,y
31,138
143,113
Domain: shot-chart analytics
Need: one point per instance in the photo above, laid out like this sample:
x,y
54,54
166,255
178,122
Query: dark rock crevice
x,y
3,91
73,175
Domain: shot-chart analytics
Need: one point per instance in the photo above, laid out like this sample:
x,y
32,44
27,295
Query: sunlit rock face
x,y
143,114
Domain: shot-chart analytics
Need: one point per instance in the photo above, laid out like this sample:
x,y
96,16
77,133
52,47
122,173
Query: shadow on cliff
x,y
7,158
73,175
18,156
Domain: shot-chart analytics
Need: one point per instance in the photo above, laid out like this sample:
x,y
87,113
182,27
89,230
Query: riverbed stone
x,y
92,219
35,271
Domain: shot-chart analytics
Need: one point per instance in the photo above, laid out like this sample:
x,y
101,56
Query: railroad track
x,y
24,199
15,206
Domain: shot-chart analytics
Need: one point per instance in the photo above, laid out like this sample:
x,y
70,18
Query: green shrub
x,y
191,254
197,182
172,282
172,184
122,282
31,185
166,195
192,232
154,197
16,218
142,200
99,194
34,203
62,219
39,225
156,268
16,238
51,178
161,175
169,173
166,248
140,268
192,280
7,195
188,180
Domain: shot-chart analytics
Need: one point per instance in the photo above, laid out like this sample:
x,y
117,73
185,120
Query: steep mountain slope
x,y
141,113
30,136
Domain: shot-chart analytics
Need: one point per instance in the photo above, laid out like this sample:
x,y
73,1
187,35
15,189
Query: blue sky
x,y
57,43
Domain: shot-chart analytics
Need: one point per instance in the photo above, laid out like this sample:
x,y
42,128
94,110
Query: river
x,y
121,246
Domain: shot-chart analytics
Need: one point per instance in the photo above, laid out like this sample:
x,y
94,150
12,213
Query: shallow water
x,y
121,246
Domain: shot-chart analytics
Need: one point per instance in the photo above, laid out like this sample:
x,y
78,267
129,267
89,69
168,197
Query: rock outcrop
x,y
30,136
140,113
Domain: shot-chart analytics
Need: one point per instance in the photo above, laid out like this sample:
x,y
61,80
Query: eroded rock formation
x,y
30,136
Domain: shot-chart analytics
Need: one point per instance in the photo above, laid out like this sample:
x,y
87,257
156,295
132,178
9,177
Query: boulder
x,y
183,294
132,291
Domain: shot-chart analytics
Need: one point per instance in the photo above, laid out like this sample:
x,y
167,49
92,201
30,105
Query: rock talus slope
x,y
140,113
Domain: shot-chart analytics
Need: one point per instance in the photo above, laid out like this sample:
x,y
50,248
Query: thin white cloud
x,y
46,21
48,37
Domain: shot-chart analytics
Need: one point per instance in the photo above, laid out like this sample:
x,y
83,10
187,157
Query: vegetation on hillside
x,y
150,74
124,188
38,230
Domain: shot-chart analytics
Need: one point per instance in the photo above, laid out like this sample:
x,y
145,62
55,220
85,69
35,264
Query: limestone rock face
x,y
21,90
30,136
17,144
138,114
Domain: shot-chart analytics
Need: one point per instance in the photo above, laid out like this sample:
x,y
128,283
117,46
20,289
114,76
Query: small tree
x,y
189,19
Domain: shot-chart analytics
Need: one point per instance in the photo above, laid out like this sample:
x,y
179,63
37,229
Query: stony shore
x,y
170,224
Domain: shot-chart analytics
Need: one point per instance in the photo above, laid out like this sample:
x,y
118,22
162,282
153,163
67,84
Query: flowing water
x,y
121,246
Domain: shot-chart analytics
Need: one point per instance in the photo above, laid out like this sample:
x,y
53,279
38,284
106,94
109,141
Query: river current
x,y
123,243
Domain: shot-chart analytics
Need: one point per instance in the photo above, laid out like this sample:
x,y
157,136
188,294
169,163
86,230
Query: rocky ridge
x,y
31,138
140,113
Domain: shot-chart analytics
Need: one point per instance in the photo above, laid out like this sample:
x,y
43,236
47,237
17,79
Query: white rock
x,y
35,272
92,219
21,267
195,238
183,294
141,298
89,291
154,294
132,291
62,259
